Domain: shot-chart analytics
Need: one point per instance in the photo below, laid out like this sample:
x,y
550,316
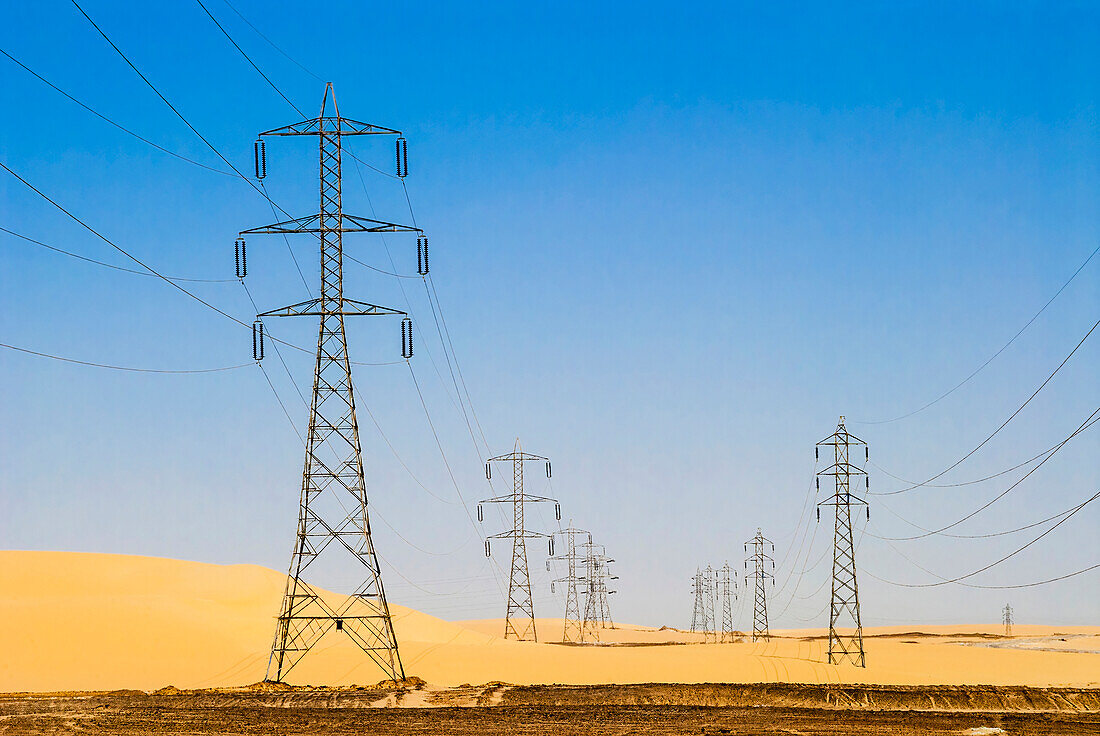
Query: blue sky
x,y
672,245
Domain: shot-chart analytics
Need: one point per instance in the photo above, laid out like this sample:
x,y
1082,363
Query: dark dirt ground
x,y
522,711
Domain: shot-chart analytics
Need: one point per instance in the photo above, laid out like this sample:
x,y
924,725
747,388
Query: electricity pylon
x,y
572,631
727,591
1006,619
844,600
520,603
702,615
597,606
699,609
333,471
709,580
760,563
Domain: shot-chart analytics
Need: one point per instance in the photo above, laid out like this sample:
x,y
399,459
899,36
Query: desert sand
x,y
75,621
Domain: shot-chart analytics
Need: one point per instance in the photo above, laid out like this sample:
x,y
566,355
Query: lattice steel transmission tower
x,y
710,580
572,631
333,472
597,606
521,605
698,609
760,564
1006,619
844,601
727,591
702,615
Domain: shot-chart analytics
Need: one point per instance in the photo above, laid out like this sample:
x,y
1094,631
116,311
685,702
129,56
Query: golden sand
x,y
73,621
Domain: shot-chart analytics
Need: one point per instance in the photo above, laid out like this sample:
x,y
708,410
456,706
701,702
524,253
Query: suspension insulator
x,y
868,513
552,585
480,515
402,157
815,453
548,570
406,338
866,453
422,255
257,340
260,149
557,511
819,513
487,554
240,255
818,479
488,471
867,482
547,468
551,546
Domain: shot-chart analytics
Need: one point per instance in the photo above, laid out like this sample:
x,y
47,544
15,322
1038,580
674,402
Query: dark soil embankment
x,y
972,698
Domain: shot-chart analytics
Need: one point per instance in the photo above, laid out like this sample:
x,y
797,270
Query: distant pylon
x,y
1006,619
699,609
332,477
572,630
710,587
702,615
844,600
727,591
519,616
760,564
597,607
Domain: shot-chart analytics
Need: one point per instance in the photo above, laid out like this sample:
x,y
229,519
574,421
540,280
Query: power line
x,y
978,536
1082,427
1005,423
108,265
248,59
1018,550
109,121
272,43
134,258
1004,347
113,367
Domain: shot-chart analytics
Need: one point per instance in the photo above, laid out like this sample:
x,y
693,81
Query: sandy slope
x,y
98,622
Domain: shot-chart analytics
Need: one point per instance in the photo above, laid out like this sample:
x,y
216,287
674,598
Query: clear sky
x,y
672,243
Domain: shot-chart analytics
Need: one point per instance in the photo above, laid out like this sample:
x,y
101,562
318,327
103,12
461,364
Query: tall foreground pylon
x,y
844,601
519,617
332,515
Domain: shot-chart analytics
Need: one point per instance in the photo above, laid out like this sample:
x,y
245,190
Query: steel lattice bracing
x,y
727,591
333,518
1006,619
761,562
844,600
573,630
519,618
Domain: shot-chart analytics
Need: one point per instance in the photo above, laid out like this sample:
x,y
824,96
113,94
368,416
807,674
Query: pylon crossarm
x,y
525,497
329,124
852,499
348,308
843,468
519,455
523,535
347,224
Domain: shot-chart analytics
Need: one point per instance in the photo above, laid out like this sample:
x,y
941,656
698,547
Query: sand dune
x,y
75,621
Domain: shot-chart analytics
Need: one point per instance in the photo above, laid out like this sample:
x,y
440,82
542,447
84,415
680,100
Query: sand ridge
x,y
79,621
